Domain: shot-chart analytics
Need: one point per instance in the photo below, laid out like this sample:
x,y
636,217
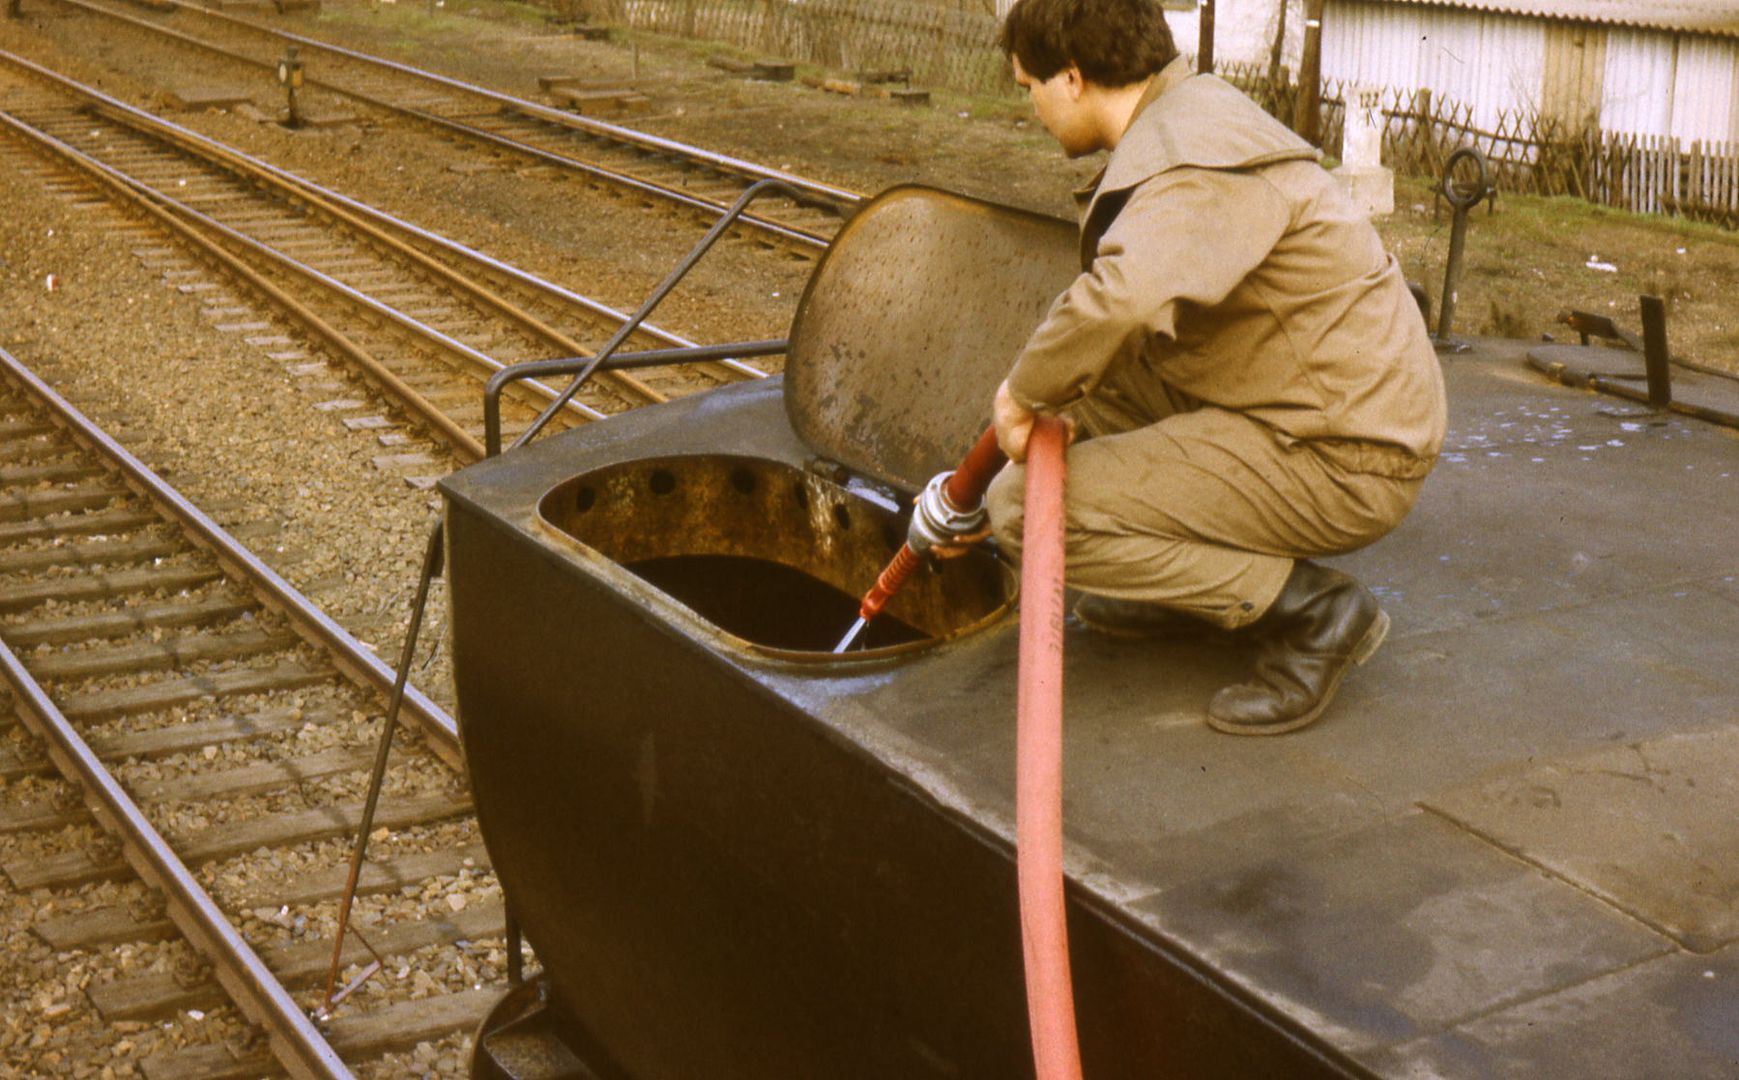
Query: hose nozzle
x,y
936,520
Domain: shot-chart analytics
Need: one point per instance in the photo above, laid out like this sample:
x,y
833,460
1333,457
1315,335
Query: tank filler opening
x,y
767,602
766,552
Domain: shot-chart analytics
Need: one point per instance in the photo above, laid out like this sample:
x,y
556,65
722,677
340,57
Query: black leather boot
x,y
1138,619
1322,623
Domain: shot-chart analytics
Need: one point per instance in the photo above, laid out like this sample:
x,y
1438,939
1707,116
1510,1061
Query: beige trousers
x,y
1205,510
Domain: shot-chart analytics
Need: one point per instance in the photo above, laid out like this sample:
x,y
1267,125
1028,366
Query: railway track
x,y
424,320
219,727
660,170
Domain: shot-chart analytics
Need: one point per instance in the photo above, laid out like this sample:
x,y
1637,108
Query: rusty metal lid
x,y
913,317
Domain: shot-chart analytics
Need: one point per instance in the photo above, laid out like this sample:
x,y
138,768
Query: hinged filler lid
x,y
914,316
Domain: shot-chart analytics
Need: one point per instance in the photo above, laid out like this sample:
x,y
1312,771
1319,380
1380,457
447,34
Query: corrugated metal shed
x,y
1503,56
1685,16
1489,64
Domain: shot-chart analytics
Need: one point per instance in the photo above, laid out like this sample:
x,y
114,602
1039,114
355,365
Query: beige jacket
x,y
1223,266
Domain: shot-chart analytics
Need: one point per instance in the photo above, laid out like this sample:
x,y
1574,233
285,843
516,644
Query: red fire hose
x,y
1039,763
1039,710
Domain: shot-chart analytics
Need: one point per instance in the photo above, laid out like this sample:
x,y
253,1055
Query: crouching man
x,y
1249,380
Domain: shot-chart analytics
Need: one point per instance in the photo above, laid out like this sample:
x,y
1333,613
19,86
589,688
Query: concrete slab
x,y
604,101
201,98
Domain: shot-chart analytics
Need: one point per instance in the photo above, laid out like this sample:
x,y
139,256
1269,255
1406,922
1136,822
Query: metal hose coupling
x,y
936,521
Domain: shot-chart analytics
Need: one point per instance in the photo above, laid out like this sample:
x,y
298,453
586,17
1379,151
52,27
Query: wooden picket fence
x,y
952,43
1528,153
942,44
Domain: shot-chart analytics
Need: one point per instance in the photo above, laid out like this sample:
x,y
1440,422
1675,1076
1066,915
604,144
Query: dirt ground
x,y
1527,261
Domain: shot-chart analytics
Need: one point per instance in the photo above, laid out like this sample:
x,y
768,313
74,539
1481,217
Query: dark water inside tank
x,y
769,603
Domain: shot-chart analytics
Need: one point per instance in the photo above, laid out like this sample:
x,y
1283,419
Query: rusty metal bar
x,y
272,588
377,775
1463,199
1656,359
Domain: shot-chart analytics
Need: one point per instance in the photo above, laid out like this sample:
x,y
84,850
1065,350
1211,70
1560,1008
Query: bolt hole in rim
x,y
766,556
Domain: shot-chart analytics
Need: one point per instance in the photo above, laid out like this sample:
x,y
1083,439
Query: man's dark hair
x,y
1113,42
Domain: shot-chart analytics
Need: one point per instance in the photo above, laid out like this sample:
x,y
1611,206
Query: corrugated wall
x,y
1575,72
1638,98
1490,62
1648,82
1243,30
1703,89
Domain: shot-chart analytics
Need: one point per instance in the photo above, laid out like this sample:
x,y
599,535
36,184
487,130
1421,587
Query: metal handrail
x,y
585,366
603,355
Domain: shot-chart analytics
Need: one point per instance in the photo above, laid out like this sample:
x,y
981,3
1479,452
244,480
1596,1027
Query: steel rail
x,y
276,180
843,198
842,201
273,178
295,1041
314,625
372,225
384,219
153,203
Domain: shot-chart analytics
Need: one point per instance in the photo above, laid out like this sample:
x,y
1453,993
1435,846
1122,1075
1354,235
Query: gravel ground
x,y
232,430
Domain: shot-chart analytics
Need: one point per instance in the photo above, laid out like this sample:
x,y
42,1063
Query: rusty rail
x,y
295,1042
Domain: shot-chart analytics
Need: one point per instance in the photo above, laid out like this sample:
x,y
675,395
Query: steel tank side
x,y
721,879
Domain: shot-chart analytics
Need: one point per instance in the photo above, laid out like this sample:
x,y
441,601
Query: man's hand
x,y
1014,423
961,545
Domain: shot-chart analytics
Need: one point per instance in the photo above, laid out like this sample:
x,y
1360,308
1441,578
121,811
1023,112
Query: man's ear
x,y
1074,81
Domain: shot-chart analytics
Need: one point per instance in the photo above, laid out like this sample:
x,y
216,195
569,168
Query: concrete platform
x,y
1510,849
